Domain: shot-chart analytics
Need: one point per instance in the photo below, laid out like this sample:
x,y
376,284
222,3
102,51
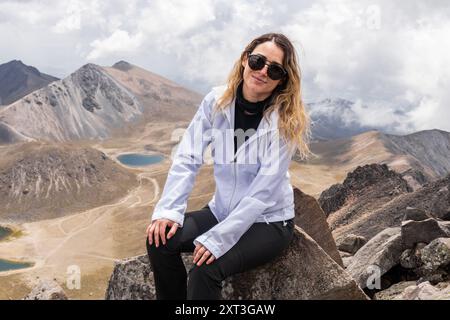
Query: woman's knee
x,y
206,271
172,245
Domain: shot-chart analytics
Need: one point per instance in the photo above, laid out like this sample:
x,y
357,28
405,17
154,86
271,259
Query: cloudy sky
x,y
392,56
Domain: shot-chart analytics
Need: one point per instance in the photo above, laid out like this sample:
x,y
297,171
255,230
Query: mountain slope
x,y
17,80
97,103
420,157
42,181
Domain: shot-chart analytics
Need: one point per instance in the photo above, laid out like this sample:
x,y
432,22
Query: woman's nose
x,y
263,71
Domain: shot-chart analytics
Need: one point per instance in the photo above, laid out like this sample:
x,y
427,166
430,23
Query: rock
x,y
311,218
424,291
333,198
382,251
446,215
47,290
375,177
369,210
303,271
415,214
351,243
434,278
421,231
393,291
411,258
347,261
344,254
436,254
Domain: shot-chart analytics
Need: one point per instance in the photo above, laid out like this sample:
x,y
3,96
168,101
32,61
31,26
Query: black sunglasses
x,y
275,71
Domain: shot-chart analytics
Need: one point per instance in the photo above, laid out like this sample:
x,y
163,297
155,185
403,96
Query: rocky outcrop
x,y
375,180
47,290
303,271
416,245
385,204
311,218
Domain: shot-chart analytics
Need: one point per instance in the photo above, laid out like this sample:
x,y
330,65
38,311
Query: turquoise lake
x,y
137,160
10,265
6,265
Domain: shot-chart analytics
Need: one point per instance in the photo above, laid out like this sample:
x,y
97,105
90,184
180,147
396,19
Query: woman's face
x,y
257,84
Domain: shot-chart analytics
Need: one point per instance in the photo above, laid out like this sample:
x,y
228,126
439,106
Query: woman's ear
x,y
244,62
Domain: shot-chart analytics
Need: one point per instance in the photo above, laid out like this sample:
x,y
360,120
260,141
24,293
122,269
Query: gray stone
x,y
422,231
424,291
347,261
393,291
351,243
46,290
411,258
436,254
303,271
380,253
310,217
415,214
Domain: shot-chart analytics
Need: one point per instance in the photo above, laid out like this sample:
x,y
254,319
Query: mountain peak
x,y
17,80
122,65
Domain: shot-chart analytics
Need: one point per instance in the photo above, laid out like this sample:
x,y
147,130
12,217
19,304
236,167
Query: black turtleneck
x,y
247,115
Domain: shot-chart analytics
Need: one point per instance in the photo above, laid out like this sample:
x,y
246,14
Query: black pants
x,y
260,244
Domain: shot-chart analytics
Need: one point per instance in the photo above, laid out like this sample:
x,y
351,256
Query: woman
x,y
249,220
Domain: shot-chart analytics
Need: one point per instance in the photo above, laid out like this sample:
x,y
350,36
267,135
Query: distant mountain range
x,y
17,80
336,118
420,157
94,103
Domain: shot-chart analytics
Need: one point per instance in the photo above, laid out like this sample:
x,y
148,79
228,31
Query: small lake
x,y
137,159
4,232
6,265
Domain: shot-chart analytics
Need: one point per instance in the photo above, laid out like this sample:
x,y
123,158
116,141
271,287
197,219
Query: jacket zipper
x,y
234,165
234,184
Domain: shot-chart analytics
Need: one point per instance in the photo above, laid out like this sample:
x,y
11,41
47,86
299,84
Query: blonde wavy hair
x,y
294,122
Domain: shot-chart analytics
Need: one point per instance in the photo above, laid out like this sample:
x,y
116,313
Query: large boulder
x,y
379,255
422,231
303,271
46,290
351,243
310,217
384,201
436,254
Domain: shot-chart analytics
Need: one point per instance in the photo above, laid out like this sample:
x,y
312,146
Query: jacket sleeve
x,y
186,162
274,166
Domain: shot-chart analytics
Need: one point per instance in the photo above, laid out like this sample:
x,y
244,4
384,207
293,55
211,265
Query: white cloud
x,y
117,43
391,56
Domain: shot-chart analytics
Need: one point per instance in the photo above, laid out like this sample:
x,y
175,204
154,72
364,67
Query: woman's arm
x,y
186,163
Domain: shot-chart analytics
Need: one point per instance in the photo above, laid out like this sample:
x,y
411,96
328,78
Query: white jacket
x,y
251,186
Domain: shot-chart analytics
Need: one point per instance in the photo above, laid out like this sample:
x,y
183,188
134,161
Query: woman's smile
x,y
258,80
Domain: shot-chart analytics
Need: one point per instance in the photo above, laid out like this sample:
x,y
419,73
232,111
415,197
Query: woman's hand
x,y
157,229
201,254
